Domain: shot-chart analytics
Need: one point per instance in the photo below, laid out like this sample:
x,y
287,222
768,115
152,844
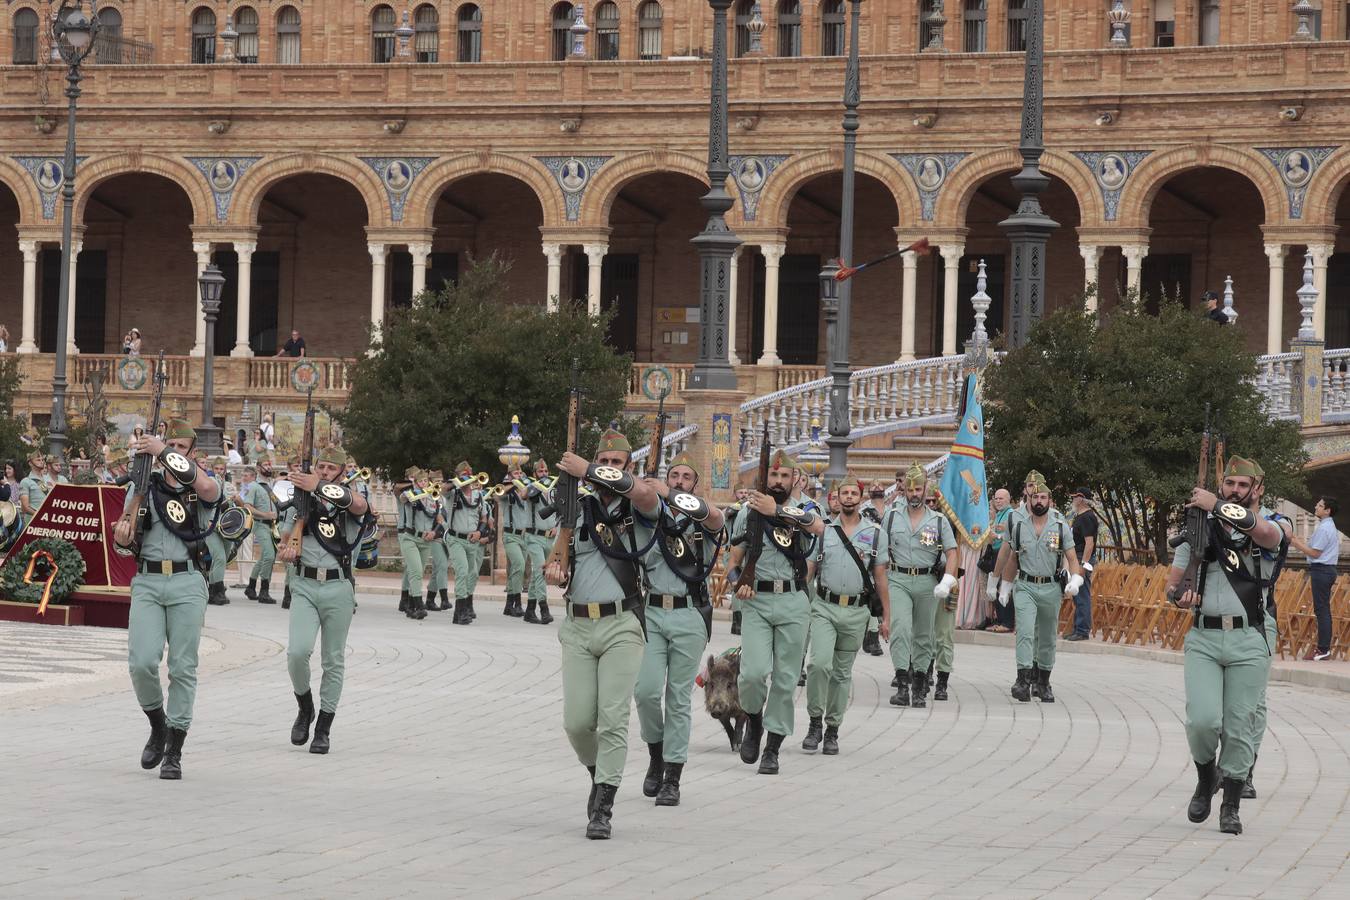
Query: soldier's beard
x,y
915,502
778,493
1040,509
849,508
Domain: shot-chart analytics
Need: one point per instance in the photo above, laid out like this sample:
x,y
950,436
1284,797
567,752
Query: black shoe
x,y
768,762
405,603
1034,679
872,643
595,789
1076,637
461,616
940,692
1046,695
300,730
895,682
1205,785
545,617
445,599
1229,823
599,826
251,592
652,783
919,691
754,733
430,603
901,685
1248,788
417,609
1021,689
286,598
669,795
172,768
831,747
216,596
320,742
264,596
811,742
159,733
529,613
509,607
736,622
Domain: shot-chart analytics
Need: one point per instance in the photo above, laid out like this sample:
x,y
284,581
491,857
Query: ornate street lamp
x,y
211,284
73,33
579,31
514,454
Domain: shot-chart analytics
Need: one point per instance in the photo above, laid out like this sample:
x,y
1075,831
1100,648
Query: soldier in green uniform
x,y
730,515
1039,540
679,624
1227,654
168,593
944,629
541,535
602,638
850,562
34,487
219,547
463,507
323,596
517,518
919,544
256,496
775,611
438,584
416,530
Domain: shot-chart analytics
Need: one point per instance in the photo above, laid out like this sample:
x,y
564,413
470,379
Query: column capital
x,y
29,249
245,248
594,252
1322,252
909,259
952,253
1134,252
1275,252
1089,252
420,250
378,253
554,252
772,253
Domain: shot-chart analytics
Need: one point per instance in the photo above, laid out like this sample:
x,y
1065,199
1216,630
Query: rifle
x,y
754,522
565,499
140,468
652,469
1195,531
302,500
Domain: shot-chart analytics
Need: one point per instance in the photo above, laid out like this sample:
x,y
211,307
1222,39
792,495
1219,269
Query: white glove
x,y
1087,567
991,587
1005,593
1074,583
944,587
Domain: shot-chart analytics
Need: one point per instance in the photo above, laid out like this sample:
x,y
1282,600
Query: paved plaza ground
x,y
450,775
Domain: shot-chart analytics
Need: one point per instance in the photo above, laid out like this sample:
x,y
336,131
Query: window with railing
x,y
203,36
1017,26
832,28
382,37
246,26
789,28
470,34
426,34
742,26
649,30
288,36
25,38
926,29
108,38
607,30
562,30
974,22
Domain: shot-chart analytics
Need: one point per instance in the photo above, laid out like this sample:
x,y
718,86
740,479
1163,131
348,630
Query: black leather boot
x,y
320,742
1034,680
251,592
405,603
159,733
1021,689
1229,823
300,730
417,610
545,617
940,692
509,608
919,691
445,599
901,684
895,682
1207,780
811,743
215,594
1248,788
286,598
599,827
831,747
461,616
768,763
1045,693
669,794
872,643
655,764
590,801
736,622
172,768
472,615
754,733
431,602
264,596
529,614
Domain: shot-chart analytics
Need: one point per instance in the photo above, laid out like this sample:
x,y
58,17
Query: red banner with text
x,y
85,514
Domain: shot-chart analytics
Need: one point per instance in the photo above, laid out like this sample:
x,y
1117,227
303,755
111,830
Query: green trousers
x,y
675,642
219,550
912,603
417,552
440,566
517,549
166,609
320,609
836,637
944,629
1272,641
466,557
1226,673
267,553
773,640
538,548
1037,607
600,662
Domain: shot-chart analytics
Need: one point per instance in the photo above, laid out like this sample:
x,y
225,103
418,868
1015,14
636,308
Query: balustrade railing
x,y
86,364
1336,385
1276,378
672,445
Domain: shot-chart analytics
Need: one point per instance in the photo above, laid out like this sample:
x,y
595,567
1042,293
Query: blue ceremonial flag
x,y
964,498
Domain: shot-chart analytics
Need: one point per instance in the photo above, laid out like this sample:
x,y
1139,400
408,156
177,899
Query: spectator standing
x,y
1213,311
295,347
1002,618
1085,528
268,433
4,339
12,478
1323,550
131,342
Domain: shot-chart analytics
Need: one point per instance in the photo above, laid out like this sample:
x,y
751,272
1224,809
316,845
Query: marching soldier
x,y
873,510
517,519
1227,655
323,594
465,514
919,544
439,583
944,629
850,561
256,497
679,624
602,639
168,593
775,612
1038,542
416,524
541,536
220,549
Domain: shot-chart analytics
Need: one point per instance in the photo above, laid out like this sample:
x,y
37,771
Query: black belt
x,y
668,601
843,599
601,610
541,532
412,531
1222,623
322,575
515,531
164,567
464,535
1035,579
906,570
780,586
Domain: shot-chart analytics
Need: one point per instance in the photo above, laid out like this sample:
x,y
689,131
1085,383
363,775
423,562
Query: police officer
x,y
256,497
416,524
219,547
850,562
1227,655
679,624
775,610
323,594
168,593
464,510
541,535
917,540
1039,540
602,638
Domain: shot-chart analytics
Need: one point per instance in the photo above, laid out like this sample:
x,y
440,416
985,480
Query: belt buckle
x,y
845,600
165,567
779,587
667,601
593,610
1226,622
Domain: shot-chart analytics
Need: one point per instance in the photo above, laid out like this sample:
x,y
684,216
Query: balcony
x,y
115,50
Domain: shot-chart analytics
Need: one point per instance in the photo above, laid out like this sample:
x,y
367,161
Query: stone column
x,y
773,255
1134,265
1320,254
732,357
421,252
203,251
244,292
27,342
553,252
951,261
909,289
1092,256
71,349
595,262
378,254
1275,298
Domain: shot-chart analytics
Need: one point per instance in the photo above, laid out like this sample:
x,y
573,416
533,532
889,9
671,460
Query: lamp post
x,y
836,296
513,454
211,283
717,241
73,35
1029,228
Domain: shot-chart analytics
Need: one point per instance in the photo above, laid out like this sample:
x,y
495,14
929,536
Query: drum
x,y
11,524
368,554
234,524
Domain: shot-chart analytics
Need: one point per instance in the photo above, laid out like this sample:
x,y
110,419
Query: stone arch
x,y
1137,197
610,180
954,199
1325,190
255,183
179,171
776,200
20,184
419,212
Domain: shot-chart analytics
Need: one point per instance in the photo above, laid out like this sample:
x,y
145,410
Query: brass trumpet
x,y
361,474
499,490
480,478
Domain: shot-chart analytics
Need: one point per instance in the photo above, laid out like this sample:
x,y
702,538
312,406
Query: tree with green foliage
x,y
13,447
447,374
1120,408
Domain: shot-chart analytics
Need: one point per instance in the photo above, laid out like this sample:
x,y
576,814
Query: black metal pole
x,y
716,242
56,437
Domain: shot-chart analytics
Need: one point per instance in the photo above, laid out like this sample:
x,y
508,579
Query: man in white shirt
x,y
1323,552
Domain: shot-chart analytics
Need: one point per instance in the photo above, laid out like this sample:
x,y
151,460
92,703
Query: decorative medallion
x,y
608,474
656,382
222,174
1111,169
676,547
48,174
751,173
305,376
178,462
327,528
686,503
929,171
397,174
1295,166
332,491
131,373
176,511
573,174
